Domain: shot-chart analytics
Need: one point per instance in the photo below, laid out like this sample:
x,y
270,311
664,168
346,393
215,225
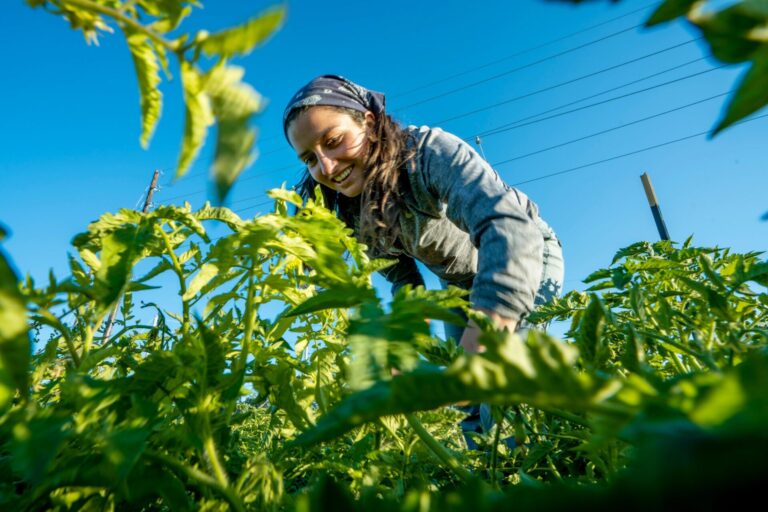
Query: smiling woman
x,y
421,194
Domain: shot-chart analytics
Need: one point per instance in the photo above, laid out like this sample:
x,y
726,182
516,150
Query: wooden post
x,y
654,204
147,204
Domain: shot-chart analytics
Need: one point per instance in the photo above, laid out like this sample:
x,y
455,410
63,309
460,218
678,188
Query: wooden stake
x,y
147,204
655,208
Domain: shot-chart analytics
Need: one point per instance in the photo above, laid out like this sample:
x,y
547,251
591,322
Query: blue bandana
x,y
334,91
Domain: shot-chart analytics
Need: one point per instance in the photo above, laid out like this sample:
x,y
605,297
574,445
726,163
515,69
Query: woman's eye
x,y
308,160
334,140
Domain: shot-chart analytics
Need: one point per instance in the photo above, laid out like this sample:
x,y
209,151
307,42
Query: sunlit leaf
x,y
752,94
197,118
206,273
669,10
242,39
148,74
233,103
14,340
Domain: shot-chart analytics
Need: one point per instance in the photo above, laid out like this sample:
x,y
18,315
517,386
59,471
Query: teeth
x,y
341,177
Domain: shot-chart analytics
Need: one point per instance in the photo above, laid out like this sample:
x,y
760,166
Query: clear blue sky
x,y
70,118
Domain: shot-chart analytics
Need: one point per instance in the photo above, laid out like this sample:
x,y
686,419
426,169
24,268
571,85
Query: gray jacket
x,y
468,227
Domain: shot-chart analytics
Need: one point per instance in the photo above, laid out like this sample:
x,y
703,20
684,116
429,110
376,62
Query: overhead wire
x,y
533,119
516,69
567,82
625,155
521,52
612,129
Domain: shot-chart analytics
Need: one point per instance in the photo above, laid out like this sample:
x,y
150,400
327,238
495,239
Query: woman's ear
x,y
370,123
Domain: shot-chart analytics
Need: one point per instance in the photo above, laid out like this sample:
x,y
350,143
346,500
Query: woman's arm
x,y
498,219
472,331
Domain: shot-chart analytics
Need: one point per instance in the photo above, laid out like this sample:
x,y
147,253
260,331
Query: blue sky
x,y
70,117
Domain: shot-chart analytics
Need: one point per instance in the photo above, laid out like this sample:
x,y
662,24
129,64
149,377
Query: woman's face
x,y
333,146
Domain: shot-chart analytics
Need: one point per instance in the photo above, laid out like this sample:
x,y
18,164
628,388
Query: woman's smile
x,y
334,147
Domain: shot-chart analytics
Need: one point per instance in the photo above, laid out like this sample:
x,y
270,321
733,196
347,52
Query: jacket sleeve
x,y
403,272
498,218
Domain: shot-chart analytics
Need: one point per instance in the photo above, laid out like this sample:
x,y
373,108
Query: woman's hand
x,y
472,332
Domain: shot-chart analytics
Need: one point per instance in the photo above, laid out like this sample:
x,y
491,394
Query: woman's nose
x,y
326,164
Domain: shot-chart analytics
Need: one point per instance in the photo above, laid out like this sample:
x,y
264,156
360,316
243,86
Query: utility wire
x,y
567,82
521,52
252,177
518,68
524,121
605,91
624,155
614,128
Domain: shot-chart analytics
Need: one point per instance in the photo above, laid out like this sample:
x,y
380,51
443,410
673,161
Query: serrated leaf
x,y
148,74
538,371
198,116
234,103
182,215
15,344
241,40
206,273
669,10
90,259
121,249
225,215
589,333
751,95
340,296
289,196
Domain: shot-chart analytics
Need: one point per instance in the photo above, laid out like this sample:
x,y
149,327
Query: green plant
x,y
214,93
281,368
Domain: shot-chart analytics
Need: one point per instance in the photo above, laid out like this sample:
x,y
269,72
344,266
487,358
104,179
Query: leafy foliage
x,y
281,381
217,96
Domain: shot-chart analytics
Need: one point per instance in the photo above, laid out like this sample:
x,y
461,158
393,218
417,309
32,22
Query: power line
x,y
520,124
519,68
614,128
624,155
567,82
521,52
253,177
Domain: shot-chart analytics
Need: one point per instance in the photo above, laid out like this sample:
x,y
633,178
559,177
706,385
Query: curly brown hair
x,y
374,215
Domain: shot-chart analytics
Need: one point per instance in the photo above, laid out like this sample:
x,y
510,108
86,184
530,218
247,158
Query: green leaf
x,y
198,116
206,273
669,10
121,249
182,215
340,296
539,371
751,95
36,444
225,215
241,40
589,333
234,103
148,74
15,345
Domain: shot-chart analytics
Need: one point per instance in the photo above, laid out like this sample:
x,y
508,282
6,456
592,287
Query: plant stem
x,y
182,284
213,457
199,477
125,20
438,449
495,453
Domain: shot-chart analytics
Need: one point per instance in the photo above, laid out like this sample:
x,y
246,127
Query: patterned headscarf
x,y
334,91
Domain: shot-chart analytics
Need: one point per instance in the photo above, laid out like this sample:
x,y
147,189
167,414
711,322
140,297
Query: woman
x,y
424,194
